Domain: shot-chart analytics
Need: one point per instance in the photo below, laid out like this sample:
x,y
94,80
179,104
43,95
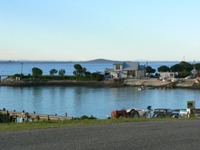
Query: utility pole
x,y
21,68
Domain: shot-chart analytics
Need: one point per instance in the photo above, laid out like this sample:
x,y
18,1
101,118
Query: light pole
x,y
21,68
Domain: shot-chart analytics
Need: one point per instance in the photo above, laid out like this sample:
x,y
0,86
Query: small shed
x,y
168,75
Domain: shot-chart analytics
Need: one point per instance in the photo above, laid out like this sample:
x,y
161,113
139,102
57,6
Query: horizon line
x,y
25,60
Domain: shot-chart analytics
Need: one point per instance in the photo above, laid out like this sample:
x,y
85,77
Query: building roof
x,y
129,65
119,63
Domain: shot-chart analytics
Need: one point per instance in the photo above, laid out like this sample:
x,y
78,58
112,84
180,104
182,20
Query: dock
x,y
13,116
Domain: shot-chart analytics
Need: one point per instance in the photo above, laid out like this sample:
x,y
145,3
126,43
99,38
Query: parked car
x,y
189,77
164,113
118,114
135,113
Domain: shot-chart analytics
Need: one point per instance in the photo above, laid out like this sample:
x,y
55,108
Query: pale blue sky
x,y
90,29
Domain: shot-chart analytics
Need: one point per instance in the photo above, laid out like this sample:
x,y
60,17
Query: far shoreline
x,y
150,82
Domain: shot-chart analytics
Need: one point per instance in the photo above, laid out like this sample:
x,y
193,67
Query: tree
x,y
177,68
53,71
184,74
183,68
61,72
36,72
187,66
79,70
163,69
87,74
97,76
197,67
150,70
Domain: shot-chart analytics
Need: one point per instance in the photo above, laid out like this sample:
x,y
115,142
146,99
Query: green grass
x,y
67,123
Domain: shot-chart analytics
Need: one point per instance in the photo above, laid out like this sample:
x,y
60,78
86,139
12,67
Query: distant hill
x,y
102,61
97,61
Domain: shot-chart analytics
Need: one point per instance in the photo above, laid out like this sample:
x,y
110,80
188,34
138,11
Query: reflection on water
x,y
96,101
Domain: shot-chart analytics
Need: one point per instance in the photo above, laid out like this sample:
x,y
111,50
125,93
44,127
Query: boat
x,y
141,88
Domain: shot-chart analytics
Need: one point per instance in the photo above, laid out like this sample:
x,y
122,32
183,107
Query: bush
x,y
36,72
184,74
61,72
97,76
86,117
91,117
53,71
18,75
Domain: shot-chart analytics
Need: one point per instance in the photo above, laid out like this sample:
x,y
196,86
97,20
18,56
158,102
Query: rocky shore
x,y
13,82
151,82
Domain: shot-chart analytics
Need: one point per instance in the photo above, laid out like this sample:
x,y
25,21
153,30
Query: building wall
x,y
118,72
117,67
124,74
167,74
134,74
140,73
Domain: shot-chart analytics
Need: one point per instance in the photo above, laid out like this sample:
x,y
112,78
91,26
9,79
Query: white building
x,y
127,69
167,75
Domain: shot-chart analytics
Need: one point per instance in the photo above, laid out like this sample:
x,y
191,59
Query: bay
x,y
80,100
97,101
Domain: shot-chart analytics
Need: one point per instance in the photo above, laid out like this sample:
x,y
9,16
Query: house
x,y
127,69
168,75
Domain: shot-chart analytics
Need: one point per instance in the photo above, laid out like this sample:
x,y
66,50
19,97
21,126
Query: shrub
x,y
53,71
61,72
36,72
92,117
84,117
18,75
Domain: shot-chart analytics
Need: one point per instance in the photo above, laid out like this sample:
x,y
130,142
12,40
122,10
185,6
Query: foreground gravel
x,y
162,135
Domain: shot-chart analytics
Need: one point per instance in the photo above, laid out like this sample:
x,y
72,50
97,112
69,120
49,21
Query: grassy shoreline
x,y
155,83
86,122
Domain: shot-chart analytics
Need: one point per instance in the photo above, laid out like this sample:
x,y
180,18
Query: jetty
x,y
13,116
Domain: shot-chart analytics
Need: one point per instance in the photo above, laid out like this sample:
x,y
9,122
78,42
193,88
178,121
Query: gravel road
x,y
162,135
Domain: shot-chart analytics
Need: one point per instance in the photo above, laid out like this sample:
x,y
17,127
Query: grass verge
x,y
67,123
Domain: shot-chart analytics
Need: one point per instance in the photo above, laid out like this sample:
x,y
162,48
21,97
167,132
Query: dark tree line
x,y
80,73
183,69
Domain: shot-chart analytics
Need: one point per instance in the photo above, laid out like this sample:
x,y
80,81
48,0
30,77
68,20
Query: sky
x,y
70,30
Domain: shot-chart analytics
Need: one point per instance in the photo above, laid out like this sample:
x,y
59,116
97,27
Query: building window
x,y
117,67
171,75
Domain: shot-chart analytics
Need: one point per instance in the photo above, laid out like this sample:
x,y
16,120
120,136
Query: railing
x,y
13,116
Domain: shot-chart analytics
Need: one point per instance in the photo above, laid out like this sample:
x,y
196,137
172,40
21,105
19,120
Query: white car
x,y
136,112
189,77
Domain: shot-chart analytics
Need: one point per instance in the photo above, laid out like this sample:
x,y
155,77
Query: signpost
x,y
190,104
190,108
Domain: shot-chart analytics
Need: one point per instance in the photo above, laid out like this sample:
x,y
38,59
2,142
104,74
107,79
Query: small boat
x,y
141,88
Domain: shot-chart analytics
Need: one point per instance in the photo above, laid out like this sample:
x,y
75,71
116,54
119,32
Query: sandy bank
x,y
52,83
151,82
180,83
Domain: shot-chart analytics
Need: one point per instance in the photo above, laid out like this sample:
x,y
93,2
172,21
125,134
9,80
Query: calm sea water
x,y
99,102
10,68
78,101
